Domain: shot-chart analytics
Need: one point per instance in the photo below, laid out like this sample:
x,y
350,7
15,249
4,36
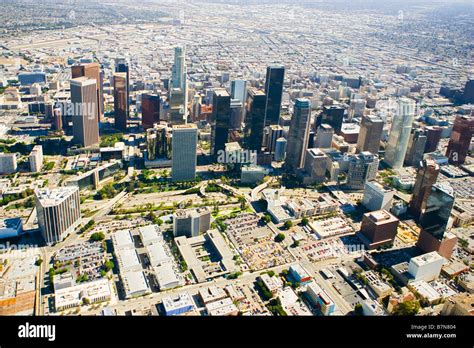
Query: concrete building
x,y
85,118
298,135
426,267
378,228
192,222
91,71
460,140
362,168
8,163
315,166
252,174
36,158
178,304
324,136
58,212
95,291
371,130
184,149
377,197
400,131
320,298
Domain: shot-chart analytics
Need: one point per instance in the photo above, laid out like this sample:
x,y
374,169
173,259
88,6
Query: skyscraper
x,y
121,66
371,128
120,101
468,94
324,136
150,110
58,211
298,135
220,120
179,79
460,140
402,122
274,91
238,90
275,133
85,127
362,168
425,179
158,142
434,221
92,71
254,119
378,228
416,147
184,150
333,115
433,136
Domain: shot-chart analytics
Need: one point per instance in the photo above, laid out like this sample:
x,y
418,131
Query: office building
x,y
333,115
29,78
178,304
220,120
85,120
158,142
150,110
324,136
416,148
10,227
434,222
191,223
184,152
254,119
121,66
468,94
378,228
315,166
179,80
371,129
275,132
280,149
274,91
121,101
320,298
36,158
402,122
238,90
300,274
426,267
92,71
377,197
460,140
236,114
298,135
252,174
433,136
8,163
58,212
362,168
426,177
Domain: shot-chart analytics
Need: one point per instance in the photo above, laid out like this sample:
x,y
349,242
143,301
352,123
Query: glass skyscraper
x,y
274,90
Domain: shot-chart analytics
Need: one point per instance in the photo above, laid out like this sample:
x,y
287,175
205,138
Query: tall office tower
x,y
402,122
371,129
85,127
92,71
254,119
8,163
434,221
460,139
121,66
58,212
220,120
275,133
238,90
356,108
58,119
377,197
150,110
280,150
36,158
158,142
433,136
274,91
362,168
425,179
298,135
120,101
179,76
236,114
416,148
324,136
315,166
177,113
468,95
378,228
191,222
184,151
333,115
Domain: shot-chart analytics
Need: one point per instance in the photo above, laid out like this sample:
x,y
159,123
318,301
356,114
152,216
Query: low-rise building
x,y
83,293
179,304
427,266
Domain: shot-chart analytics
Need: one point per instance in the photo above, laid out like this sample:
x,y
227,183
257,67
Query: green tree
x,y
407,308
266,219
288,224
304,221
97,236
358,309
280,237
